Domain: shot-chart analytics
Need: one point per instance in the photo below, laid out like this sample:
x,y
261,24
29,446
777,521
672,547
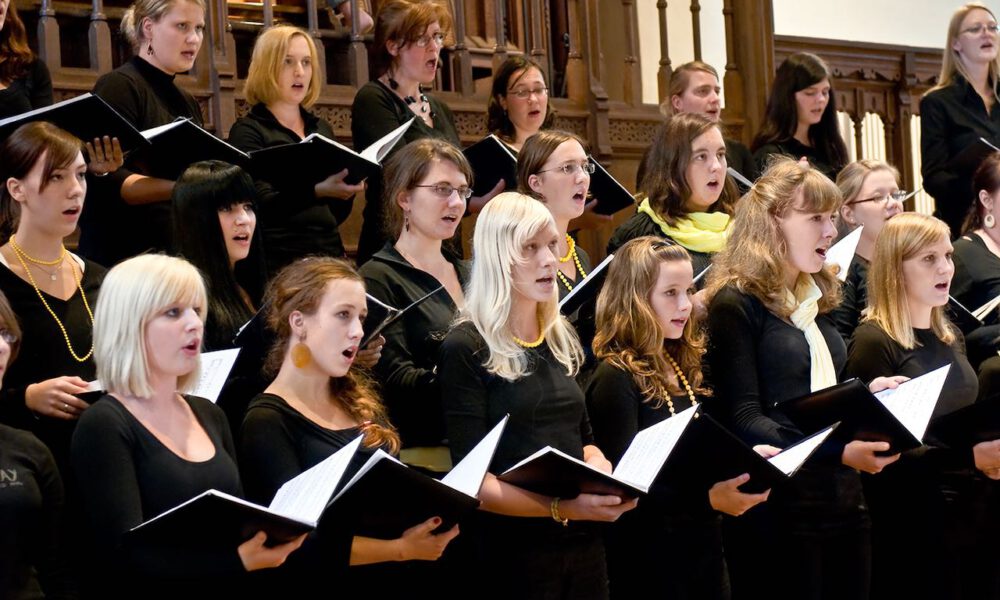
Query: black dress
x,y
952,119
30,91
294,222
110,229
670,546
376,111
976,282
33,561
639,225
407,370
932,498
811,538
127,476
796,149
854,299
513,556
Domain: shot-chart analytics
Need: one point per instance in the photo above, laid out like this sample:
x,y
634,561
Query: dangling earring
x,y
406,221
149,49
301,355
989,221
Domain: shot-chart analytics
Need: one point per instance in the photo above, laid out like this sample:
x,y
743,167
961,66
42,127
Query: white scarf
x,y
806,303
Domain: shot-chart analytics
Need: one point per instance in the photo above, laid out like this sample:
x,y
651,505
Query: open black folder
x,y
317,157
179,144
491,160
381,315
611,195
86,116
962,317
898,416
585,292
661,447
301,503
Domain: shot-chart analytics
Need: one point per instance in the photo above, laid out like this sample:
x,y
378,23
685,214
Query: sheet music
x,y
467,476
913,402
305,496
27,115
789,460
576,289
739,177
700,275
650,448
215,368
842,253
983,311
155,131
372,461
985,141
377,151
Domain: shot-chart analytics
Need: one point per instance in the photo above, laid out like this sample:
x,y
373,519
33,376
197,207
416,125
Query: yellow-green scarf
x,y
698,231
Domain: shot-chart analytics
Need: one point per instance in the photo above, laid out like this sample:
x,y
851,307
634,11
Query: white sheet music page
x,y
650,448
377,151
913,402
467,476
790,459
842,253
215,368
306,495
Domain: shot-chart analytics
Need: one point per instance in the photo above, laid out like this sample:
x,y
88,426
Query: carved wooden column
x,y
463,62
632,80
665,71
500,50
357,54
48,36
268,8
900,140
857,121
750,63
222,66
99,39
586,29
696,27
312,23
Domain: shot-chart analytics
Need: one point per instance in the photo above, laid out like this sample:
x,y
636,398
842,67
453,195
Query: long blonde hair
x,y
951,62
629,335
502,229
753,259
903,237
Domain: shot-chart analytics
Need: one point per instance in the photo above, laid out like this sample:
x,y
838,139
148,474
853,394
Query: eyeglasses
x,y
8,336
443,190
977,29
424,40
882,200
572,168
524,94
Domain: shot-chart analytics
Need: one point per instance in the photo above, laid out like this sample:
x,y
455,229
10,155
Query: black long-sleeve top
x,y
854,298
376,111
44,355
294,222
410,387
952,119
110,229
127,476
739,157
976,282
639,225
33,561
796,149
28,92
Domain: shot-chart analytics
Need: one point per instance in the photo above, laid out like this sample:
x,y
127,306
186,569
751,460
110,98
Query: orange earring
x,y
301,355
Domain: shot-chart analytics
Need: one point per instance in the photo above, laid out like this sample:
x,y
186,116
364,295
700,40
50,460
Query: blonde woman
x,y
871,197
771,339
937,497
959,110
510,352
281,87
145,447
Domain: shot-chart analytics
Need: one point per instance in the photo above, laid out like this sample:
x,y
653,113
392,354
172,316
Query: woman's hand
x,y
476,203
593,456
420,543
334,186
886,383
104,155
589,219
595,507
987,458
55,397
766,450
255,555
369,355
726,497
861,456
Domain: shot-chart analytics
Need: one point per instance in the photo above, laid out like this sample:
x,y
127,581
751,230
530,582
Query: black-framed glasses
x,y
524,94
977,29
8,336
572,168
882,199
444,190
424,40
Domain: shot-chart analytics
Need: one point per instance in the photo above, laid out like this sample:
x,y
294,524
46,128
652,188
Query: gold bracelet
x,y
554,509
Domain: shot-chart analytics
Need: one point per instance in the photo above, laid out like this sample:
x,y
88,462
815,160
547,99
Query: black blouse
x,y
639,225
28,92
976,282
796,149
407,370
294,222
854,299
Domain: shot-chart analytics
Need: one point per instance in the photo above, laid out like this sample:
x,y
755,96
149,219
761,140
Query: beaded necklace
x,y
683,380
536,343
21,256
576,260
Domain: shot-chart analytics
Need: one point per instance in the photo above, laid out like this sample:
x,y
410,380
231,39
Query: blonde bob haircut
x,y
629,335
903,237
133,292
266,63
754,257
951,62
852,178
502,229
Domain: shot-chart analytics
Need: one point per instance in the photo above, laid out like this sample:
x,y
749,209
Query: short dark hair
x,y
497,121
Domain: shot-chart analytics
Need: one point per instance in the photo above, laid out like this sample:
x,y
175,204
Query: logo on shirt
x,y
8,478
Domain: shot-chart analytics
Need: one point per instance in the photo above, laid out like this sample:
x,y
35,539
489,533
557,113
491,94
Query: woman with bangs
x,y
510,352
315,406
650,347
871,197
771,339
427,185
800,120
519,105
281,86
959,110
937,497
146,447
689,199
